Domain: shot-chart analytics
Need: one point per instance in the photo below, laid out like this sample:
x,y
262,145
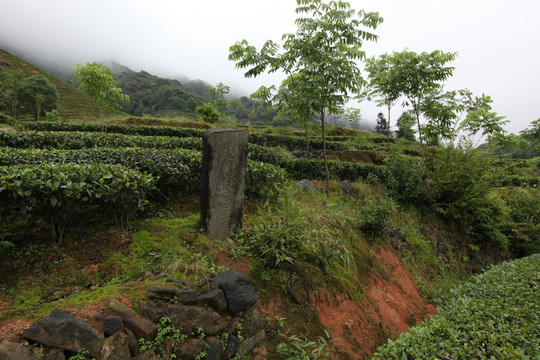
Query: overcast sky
x,y
497,40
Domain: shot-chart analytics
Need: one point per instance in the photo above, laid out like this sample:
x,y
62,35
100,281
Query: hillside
x,y
153,95
73,104
350,269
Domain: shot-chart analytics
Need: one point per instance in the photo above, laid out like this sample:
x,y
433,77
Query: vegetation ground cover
x,y
493,316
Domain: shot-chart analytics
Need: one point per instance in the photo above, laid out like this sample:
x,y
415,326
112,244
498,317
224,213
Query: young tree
x,y
405,125
382,125
37,96
382,85
419,75
97,81
217,97
323,51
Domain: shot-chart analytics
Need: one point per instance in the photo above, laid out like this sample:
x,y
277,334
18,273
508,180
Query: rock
x,y
161,293
133,342
190,348
252,323
141,327
61,330
188,297
146,355
187,318
108,325
306,184
116,347
239,294
213,351
247,346
222,181
55,354
233,345
346,187
216,300
10,351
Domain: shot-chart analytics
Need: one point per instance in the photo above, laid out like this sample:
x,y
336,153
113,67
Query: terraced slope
x,y
73,104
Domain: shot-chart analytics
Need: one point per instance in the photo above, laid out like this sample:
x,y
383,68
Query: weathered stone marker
x,y
222,183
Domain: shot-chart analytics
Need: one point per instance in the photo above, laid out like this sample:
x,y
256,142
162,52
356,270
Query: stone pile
x,y
220,323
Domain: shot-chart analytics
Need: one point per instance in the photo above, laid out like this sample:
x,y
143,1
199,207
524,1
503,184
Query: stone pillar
x,y
222,182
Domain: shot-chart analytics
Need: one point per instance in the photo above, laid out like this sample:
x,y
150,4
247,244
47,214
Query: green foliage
x,y
416,76
81,140
407,182
174,169
63,193
374,217
522,226
166,342
319,59
150,94
6,119
298,349
52,116
37,96
278,237
97,81
208,113
462,189
405,125
494,316
146,130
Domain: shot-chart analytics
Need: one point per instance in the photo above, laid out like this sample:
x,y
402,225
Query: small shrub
x,y
374,217
298,349
52,116
167,340
407,182
208,113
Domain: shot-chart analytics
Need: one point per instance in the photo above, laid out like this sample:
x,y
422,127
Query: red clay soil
x,y
390,307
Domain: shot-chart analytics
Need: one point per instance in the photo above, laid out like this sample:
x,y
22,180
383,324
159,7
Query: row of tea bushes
x,y
175,170
84,140
61,194
494,316
297,168
269,140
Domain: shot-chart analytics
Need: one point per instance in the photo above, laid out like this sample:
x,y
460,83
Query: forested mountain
x,y
150,94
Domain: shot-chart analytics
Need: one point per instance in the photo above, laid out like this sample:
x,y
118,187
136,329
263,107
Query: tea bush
x,y
59,194
175,170
83,140
494,316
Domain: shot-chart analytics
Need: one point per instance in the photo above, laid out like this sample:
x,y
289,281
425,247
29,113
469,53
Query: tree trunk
x,y
388,134
324,155
417,112
306,128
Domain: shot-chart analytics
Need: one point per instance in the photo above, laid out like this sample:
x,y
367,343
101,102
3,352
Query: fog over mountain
x,y
496,40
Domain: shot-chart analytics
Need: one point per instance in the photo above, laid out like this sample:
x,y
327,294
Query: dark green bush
x,y
374,217
176,170
145,130
407,181
522,226
82,140
62,193
462,186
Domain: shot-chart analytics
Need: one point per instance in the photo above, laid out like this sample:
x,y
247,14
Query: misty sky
x,y
497,40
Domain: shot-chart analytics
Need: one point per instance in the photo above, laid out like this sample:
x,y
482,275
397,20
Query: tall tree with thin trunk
x,y
324,52
383,85
419,75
